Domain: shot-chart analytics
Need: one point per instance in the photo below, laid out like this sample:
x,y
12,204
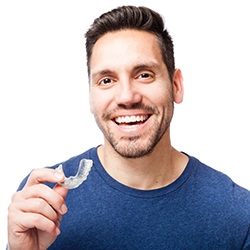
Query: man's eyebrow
x,y
101,73
143,66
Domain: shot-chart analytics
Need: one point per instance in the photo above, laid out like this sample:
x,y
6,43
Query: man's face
x,y
131,95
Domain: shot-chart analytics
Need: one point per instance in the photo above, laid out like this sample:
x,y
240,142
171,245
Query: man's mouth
x,y
131,120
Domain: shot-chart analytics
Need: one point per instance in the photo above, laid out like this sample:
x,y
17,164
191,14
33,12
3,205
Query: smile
x,y
131,120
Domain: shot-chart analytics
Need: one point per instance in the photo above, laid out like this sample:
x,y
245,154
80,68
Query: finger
x,y
44,192
58,222
21,222
42,175
37,205
62,191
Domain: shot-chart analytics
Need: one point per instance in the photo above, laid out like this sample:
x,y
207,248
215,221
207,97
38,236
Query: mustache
x,y
132,106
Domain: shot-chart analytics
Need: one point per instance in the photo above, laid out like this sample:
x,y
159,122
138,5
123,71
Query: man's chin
x,y
133,152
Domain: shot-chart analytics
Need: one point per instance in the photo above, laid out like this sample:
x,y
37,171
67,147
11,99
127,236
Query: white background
x,y
44,110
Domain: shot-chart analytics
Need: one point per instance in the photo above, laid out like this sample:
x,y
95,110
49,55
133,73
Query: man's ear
x,y
178,88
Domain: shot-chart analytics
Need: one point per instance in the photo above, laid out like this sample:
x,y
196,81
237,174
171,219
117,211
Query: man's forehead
x,y
129,48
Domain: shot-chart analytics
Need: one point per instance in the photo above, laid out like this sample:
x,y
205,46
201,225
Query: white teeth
x,y
130,119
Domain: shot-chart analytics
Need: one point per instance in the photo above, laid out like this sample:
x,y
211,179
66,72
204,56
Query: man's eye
x,y
105,81
144,75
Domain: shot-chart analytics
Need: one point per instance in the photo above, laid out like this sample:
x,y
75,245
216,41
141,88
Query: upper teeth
x,y
129,119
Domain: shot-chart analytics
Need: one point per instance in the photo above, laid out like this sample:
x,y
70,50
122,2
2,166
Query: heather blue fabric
x,y
202,209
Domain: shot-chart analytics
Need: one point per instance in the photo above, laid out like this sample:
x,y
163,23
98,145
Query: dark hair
x,y
131,17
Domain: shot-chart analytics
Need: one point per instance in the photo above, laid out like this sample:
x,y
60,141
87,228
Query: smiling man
x,y
141,193
132,99
125,98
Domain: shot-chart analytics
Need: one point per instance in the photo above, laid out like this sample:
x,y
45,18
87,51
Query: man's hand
x,y
36,211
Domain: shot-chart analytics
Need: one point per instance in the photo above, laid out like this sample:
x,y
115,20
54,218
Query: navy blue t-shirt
x,y
202,209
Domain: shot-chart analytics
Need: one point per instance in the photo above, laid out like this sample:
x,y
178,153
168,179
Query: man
x,y
141,193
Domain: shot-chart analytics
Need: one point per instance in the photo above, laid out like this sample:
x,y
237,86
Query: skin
x,y
128,79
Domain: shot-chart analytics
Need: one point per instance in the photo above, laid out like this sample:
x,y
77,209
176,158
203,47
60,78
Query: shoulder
x,y
218,198
219,187
214,179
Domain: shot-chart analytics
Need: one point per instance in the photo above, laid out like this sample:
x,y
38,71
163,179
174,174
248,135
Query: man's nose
x,y
127,94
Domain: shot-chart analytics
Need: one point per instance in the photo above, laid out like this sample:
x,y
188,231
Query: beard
x,y
137,146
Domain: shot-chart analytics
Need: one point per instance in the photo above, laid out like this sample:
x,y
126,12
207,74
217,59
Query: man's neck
x,y
158,169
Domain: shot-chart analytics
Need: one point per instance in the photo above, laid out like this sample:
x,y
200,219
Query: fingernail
x,y
57,231
64,209
59,176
